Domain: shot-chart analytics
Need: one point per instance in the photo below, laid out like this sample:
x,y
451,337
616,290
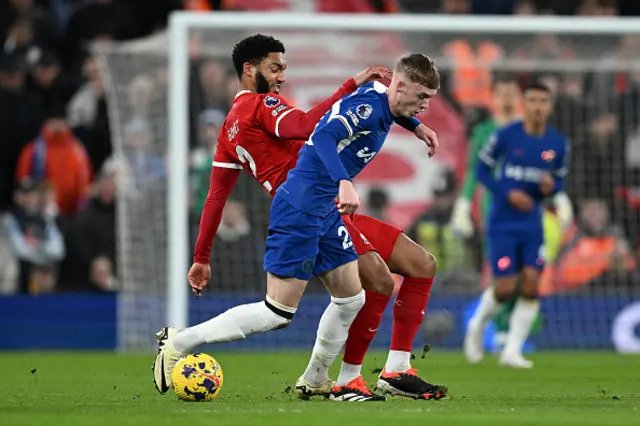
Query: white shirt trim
x,y
242,92
226,165
284,114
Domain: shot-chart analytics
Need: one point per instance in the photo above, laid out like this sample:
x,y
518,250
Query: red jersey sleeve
x,y
224,176
281,119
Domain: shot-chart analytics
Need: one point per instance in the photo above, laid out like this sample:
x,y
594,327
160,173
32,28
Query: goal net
x,y
165,117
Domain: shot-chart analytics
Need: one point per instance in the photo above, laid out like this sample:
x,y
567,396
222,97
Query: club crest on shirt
x,y
548,155
270,101
364,111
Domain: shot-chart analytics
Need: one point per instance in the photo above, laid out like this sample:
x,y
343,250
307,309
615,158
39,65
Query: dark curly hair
x,y
254,49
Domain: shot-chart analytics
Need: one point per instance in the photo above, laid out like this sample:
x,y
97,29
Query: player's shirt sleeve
x,y
224,175
488,159
411,124
283,120
561,168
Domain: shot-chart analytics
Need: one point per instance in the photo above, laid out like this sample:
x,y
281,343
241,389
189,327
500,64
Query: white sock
x,y
488,307
520,323
348,372
234,324
333,331
398,361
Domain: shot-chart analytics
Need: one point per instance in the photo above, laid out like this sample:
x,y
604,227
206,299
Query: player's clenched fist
x,y
372,73
199,276
348,199
520,200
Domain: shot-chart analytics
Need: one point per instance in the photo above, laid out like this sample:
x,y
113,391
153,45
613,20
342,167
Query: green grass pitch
x,y
572,388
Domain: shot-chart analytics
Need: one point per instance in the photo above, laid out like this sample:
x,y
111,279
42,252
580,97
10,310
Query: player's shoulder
x,y
512,128
555,136
366,102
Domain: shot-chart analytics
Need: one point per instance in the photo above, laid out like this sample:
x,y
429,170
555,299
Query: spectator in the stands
x,y
8,264
20,120
97,19
88,116
57,156
46,81
35,239
212,77
93,237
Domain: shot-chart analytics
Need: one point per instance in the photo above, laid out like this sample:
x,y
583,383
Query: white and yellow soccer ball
x,y
197,377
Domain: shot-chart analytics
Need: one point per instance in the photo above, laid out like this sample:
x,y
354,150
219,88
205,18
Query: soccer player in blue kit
x,y
306,233
523,163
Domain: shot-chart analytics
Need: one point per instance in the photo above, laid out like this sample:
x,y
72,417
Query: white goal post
x,y
175,301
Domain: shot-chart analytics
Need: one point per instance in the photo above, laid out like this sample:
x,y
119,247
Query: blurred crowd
x,y
59,177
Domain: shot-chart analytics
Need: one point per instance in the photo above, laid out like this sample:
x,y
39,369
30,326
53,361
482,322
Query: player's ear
x,y
248,69
400,86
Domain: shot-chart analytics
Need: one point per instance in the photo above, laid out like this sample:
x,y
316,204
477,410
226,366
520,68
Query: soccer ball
x,y
197,377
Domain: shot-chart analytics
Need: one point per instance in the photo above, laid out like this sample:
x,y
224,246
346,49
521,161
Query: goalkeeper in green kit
x,y
507,105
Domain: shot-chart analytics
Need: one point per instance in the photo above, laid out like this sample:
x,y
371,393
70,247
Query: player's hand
x,y
547,184
520,200
372,73
199,276
429,137
348,199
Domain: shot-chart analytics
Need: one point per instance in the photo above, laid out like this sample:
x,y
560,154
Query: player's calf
x,y
336,320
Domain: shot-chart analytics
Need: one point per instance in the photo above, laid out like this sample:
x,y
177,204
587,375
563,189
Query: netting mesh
x,y
596,84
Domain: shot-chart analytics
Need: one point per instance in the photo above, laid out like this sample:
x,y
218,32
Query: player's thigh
x,y
285,291
374,273
502,251
292,242
335,249
410,259
381,235
342,281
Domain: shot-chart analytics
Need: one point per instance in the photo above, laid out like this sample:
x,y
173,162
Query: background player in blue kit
x,y
307,235
521,165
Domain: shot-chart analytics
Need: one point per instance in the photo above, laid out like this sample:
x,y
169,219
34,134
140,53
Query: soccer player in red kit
x,y
263,134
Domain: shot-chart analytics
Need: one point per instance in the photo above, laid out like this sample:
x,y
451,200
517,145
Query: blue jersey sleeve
x,y
489,156
411,124
325,139
561,168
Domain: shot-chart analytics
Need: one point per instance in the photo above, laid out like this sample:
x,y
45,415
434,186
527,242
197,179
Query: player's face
x,y
411,98
506,96
537,105
269,74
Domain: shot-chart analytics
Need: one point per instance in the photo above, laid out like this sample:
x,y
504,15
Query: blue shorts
x,y
510,251
300,245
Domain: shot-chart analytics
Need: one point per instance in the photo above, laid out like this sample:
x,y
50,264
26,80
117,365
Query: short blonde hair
x,y
419,68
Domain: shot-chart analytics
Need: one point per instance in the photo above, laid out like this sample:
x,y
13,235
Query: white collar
x,y
242,92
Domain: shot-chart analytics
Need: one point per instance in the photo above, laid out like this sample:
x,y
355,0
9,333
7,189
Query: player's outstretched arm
x,y
287,122
223,180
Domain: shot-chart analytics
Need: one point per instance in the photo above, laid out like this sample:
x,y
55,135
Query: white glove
x,y
461,223
564,210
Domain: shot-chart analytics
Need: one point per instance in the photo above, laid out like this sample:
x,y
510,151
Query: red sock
x,y
360,334
408,312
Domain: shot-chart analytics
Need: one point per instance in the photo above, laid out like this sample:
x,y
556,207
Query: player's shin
x,y
361,334
235,324
520,324
332,333
408,313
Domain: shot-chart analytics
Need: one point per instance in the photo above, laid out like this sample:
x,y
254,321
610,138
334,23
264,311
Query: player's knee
x,y
529,289
352,304
375,275
277,315
422,264
504,289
